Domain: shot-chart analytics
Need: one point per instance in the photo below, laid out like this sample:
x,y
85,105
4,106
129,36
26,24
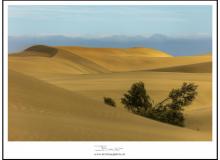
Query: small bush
x,y
109,101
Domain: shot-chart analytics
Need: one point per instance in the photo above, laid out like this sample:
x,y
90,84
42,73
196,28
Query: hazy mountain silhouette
x,y
174,46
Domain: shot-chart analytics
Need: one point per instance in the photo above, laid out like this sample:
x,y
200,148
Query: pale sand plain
x,y
56,93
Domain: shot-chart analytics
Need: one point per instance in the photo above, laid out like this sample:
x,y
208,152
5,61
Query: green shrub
x,y
109,101
164,114
180,97
168,110
136,99
183,96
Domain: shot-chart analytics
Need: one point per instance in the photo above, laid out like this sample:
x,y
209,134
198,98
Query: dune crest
x,y
38,50
150,52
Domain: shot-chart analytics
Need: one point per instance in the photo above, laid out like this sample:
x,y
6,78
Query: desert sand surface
x,y
56,93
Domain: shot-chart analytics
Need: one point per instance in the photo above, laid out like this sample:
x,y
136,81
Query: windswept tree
x,y
180,97
170,109
136,99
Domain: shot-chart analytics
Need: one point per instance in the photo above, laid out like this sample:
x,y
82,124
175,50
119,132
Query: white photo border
x,y
132,149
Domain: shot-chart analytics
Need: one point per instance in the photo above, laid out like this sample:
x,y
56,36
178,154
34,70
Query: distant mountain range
x,y
178,46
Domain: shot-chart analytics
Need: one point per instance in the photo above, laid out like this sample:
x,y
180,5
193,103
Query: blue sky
x,y
99,21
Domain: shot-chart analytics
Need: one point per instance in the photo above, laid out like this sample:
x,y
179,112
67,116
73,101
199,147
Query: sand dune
x,y
147,52
89,65
132,59
158,85
79,60
192,68
39,111
56,93
35,59
39,50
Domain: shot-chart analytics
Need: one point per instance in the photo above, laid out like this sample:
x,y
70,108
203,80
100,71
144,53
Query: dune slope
x,y
192,68
41,111
44,60
132,59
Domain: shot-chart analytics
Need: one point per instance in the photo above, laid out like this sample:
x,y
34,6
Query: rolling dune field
x,y
56,93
